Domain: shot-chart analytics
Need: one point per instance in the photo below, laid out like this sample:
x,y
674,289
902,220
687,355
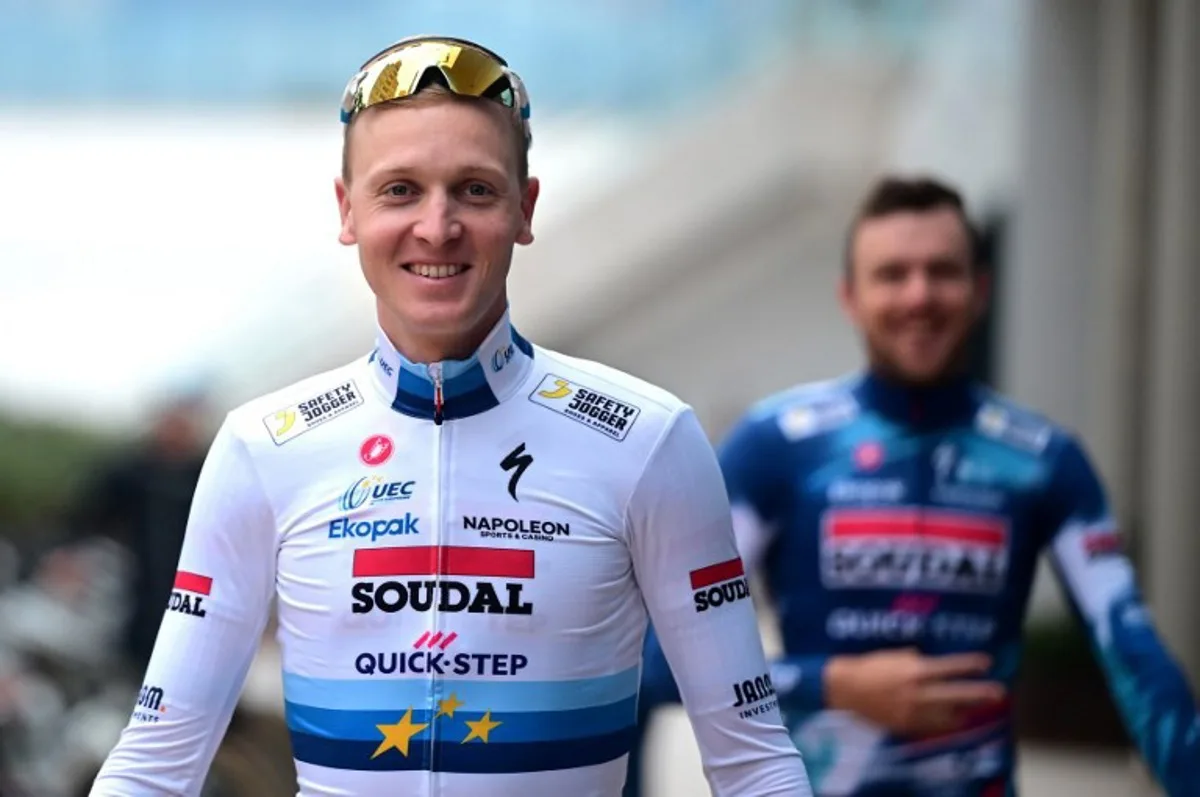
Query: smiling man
x,y
463,532
898,516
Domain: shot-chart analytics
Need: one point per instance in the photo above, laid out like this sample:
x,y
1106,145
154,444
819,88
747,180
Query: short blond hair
x,y
430,95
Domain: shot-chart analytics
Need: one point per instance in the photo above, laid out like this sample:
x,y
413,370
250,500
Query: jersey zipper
x,y
439,400
439,470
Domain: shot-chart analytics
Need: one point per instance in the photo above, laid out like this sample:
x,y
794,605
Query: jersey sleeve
x,y
752,461
208,637
693,582
1149,688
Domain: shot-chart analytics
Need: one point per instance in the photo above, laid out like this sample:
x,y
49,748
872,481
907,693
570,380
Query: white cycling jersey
x,y
462,556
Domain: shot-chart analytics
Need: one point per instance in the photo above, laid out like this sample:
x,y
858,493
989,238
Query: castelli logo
x,y
868,456
376,450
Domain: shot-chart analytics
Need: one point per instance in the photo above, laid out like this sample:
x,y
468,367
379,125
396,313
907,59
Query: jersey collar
x,y
493,373
933,405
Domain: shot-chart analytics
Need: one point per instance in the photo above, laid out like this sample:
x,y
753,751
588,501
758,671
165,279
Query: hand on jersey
x,y
910,694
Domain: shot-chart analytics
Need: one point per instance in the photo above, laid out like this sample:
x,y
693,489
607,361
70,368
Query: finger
x,y
955,665
935,722
956,694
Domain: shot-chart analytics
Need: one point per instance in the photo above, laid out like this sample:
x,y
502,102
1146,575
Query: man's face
x,y
913,293
435,204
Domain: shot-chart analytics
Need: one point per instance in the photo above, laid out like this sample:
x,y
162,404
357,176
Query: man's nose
x,y
918,289
438,224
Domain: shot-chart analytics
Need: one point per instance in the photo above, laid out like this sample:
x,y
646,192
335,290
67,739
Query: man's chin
x,y
436,316
445,323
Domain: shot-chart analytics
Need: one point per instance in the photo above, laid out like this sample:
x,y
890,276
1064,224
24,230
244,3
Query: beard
x,y
886,359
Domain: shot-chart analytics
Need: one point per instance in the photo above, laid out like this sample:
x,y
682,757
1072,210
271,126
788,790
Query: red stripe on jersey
x,y
1097,543
918,524
445,560
715,574
192,582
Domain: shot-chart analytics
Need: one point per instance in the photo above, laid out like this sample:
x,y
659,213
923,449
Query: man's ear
x,y
528,203
346,234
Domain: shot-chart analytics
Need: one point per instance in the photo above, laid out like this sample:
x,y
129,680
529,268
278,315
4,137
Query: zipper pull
x,y
439,403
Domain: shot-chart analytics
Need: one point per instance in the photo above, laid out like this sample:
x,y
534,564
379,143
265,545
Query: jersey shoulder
x,y
612,401
1016,426
806,411
276,418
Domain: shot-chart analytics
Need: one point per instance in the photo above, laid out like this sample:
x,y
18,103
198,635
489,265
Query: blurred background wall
x,y
169,240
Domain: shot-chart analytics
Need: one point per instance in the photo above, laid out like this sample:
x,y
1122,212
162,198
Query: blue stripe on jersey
x,y
475,756
525,346
465,395
398,694
522,726
411,386
458,376
465,388
469,381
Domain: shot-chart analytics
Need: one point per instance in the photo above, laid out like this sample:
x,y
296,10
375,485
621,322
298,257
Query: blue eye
x,y
478,190
399,190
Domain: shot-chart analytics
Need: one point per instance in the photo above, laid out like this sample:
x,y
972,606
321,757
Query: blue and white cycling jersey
x,y
882,517
462,557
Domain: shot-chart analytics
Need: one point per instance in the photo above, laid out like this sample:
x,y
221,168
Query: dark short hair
x,y
895,194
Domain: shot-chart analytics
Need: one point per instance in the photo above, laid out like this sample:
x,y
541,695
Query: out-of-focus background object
x,y
168,250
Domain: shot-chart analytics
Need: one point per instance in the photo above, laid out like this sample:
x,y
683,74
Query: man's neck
x,y
444,389
939,400
949,378
955,373
418,348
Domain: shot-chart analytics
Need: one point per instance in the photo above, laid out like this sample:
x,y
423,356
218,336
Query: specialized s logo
x,y
961,480
518,462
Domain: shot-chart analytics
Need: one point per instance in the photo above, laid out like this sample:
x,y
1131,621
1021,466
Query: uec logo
x,y
502,357
375,490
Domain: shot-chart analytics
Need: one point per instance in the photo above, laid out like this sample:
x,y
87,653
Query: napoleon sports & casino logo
x,y
449,579
914,548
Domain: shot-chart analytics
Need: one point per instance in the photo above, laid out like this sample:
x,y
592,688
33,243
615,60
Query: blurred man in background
x,y
142,500
464,531
897,517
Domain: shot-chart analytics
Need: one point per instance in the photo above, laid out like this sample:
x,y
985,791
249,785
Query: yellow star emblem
x,y
480,728
449,706
398,735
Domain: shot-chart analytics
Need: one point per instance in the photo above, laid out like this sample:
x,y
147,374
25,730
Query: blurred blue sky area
x,y
607,54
